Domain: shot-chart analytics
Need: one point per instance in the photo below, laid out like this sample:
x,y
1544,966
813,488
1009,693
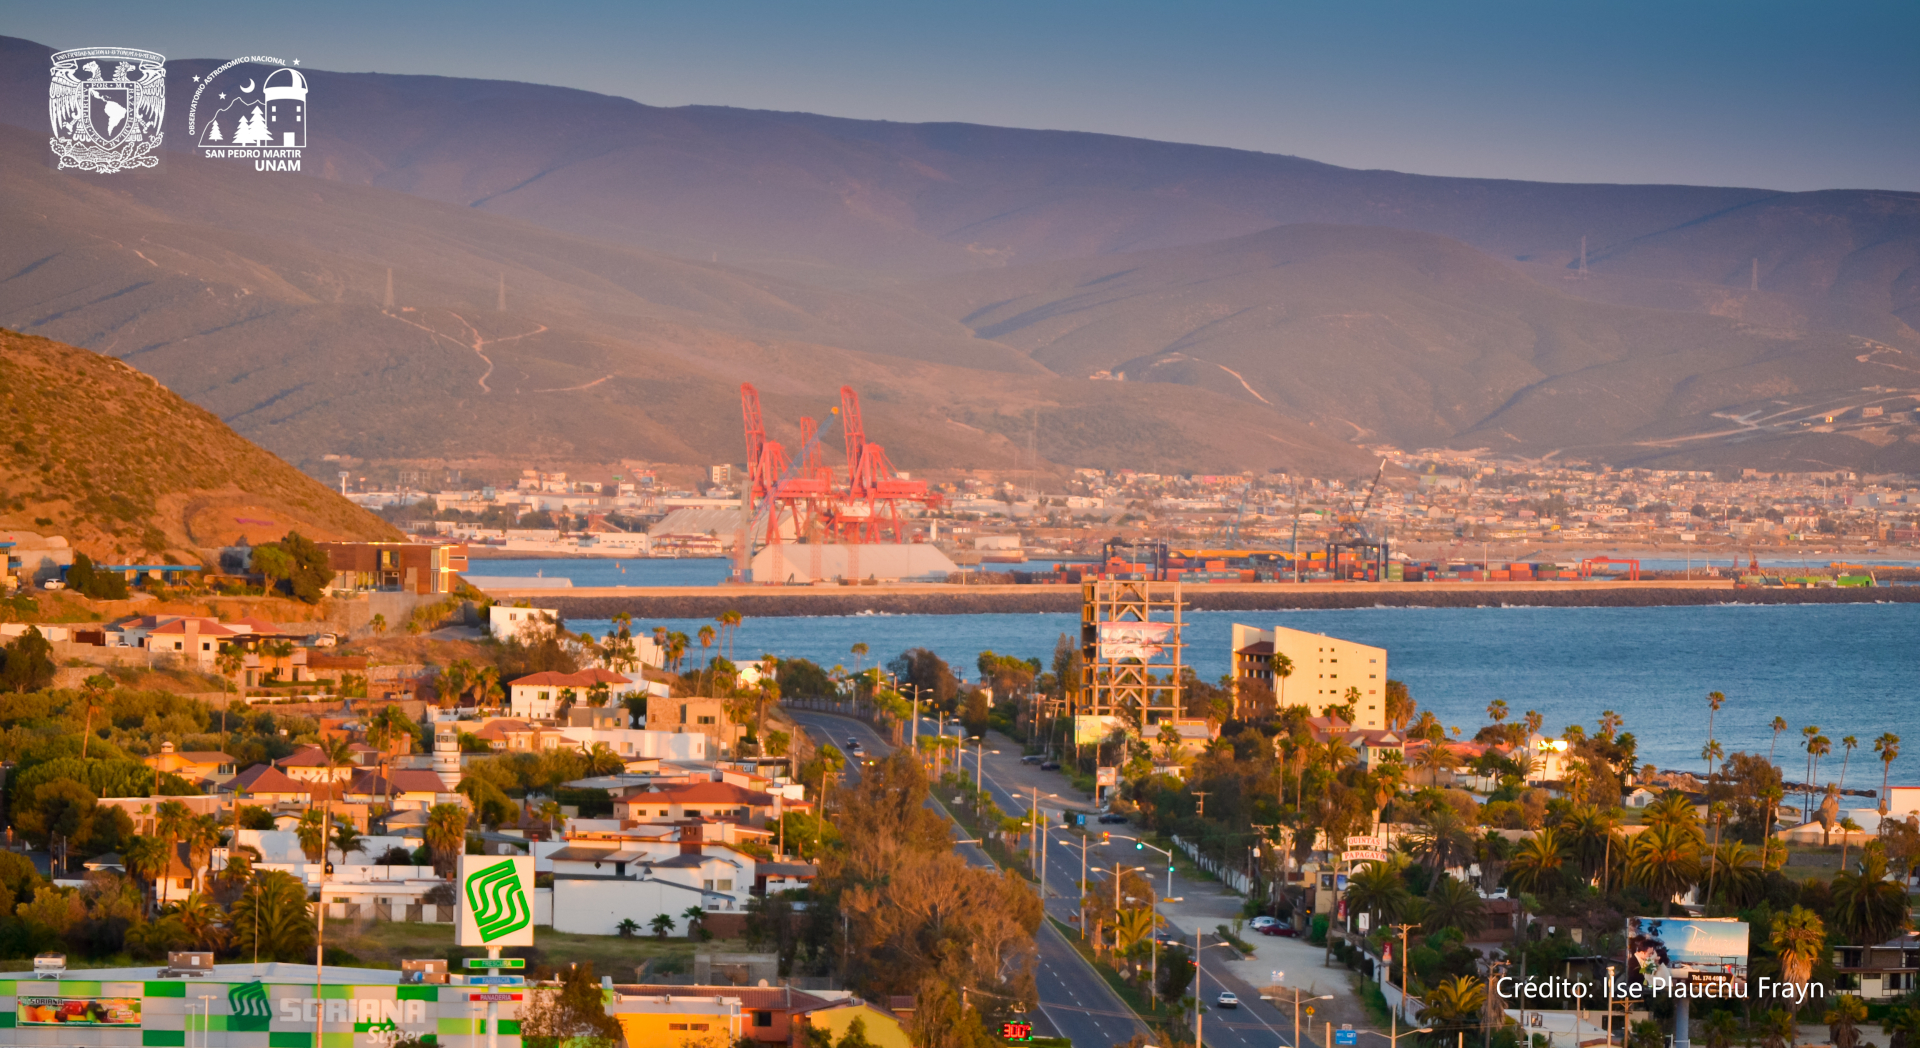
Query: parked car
x,y
1050,766
1032,758
1261,921
1113,818
1227,999
1285,931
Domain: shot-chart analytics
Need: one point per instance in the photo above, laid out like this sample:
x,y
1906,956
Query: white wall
x,y
597,907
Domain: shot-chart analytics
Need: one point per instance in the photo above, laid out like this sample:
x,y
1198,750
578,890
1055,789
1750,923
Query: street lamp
x,y
1140,845
1298,1000
1199,1007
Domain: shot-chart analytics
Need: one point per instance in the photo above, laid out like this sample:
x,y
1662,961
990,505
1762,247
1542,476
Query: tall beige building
x,y
1323,669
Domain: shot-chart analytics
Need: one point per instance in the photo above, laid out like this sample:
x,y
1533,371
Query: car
x,y
1113,818
852,741
1032,758
1261,921
1049,765
855,749
1227,999
1285,931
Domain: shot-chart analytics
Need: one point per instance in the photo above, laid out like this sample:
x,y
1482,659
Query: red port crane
x,y
802,501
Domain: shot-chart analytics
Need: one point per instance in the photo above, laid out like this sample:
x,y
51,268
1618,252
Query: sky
x,y
1793,96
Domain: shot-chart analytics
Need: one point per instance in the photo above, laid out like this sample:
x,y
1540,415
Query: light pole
x,y
1298,1000
1199,1006
1085,842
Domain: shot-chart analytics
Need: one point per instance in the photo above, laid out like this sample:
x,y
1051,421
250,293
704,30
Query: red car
x,y
1285,931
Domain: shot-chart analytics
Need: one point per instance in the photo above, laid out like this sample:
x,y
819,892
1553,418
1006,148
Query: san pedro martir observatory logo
x,y
106,104
252,109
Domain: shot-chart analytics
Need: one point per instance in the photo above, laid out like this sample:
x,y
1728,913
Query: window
x,y
705,720
1850,956
676,1026
726,885
708,885
763,1018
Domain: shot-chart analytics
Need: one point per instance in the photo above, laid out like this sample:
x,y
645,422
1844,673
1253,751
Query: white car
x,y
1261,921
1227,999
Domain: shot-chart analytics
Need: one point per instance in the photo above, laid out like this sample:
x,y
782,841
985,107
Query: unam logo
x,y
248,1007
498,903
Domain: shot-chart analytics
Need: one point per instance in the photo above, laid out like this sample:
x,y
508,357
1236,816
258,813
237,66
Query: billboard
x,y
1133,640
1092,731
78,1011
1687,950
495,900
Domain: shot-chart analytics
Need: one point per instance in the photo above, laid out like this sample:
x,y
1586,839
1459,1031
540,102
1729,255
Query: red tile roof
x,y
265,778
403,780
703,793
584,679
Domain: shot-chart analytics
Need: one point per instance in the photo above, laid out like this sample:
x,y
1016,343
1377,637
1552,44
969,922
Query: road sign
x,y
1367,842
493,997
1346,1035
495,901
1363,856
496,962
496,980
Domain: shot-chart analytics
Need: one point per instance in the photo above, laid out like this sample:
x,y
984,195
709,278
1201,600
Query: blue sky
x,y
1788,96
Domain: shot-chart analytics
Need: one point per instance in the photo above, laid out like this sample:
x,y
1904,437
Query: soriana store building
x,y
249,1006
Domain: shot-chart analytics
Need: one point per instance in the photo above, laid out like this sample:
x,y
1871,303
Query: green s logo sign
x,y
498,904
248,1008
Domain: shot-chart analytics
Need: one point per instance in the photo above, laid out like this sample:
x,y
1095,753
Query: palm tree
x,y
601,760
1282,668
1799,938
446,836
273,920
146,858
1454,1004
1711,752
1721,1028
345,838
1443,840
695,917
1664,861
1535,866
201,836
1778,1028
705,633
1714,699
1132,926
1779,725
312,831
1810,732
1435,759
662,925
859,652
627,928
1848,743
1847,826
171,820
1888,747
1497,711
1843,1019
1453,904
1817,747
1868,908
203,920
730,621
1737,870
1673,809
1377,888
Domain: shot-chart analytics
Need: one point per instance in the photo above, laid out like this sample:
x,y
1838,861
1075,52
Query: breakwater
x,y
689,602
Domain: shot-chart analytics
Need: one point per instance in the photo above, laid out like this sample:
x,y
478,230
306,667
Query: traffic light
x,y
1137,846
1106,837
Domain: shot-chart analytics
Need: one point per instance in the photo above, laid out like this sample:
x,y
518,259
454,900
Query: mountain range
x,y
1107,301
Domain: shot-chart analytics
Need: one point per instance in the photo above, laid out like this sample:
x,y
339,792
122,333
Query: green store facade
x,y
241,1006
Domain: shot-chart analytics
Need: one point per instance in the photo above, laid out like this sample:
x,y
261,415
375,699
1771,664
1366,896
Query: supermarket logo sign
x,y
498,904
247,1007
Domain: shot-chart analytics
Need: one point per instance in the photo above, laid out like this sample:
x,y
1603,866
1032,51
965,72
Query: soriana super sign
x,y
496,900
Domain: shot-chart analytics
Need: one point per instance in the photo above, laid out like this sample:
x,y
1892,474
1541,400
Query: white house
x,y
598,884
538,696
523,623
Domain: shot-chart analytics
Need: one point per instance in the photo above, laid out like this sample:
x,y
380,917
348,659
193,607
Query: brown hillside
x,y
100,453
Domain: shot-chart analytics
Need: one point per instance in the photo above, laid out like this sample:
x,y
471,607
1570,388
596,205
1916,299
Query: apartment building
x,y
1322,670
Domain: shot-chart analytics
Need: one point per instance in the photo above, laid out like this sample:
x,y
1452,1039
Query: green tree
x,y
62,808
29,663
1868,908
446,836
1453,904
574,1016
1664,861
273,920
662,925
1843,1019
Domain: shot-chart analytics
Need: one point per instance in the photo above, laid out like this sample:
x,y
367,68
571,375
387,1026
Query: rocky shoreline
x,y
1063,599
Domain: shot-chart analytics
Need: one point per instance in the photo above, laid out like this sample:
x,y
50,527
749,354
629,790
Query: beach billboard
x,y
1687,950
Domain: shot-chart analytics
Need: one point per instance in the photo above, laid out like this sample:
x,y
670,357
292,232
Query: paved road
x,y
1074,1001
1255,1024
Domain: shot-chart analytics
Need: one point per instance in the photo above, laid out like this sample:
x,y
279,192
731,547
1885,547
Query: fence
x,y
1234,879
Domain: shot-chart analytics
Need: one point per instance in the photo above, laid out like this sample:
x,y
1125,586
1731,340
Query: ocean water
x,y
1851,669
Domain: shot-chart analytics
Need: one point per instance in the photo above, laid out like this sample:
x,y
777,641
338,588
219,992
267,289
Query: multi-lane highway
x,y
1074,1001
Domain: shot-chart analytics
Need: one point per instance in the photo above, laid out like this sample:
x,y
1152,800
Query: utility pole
x,y
1202,794
1393,1038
